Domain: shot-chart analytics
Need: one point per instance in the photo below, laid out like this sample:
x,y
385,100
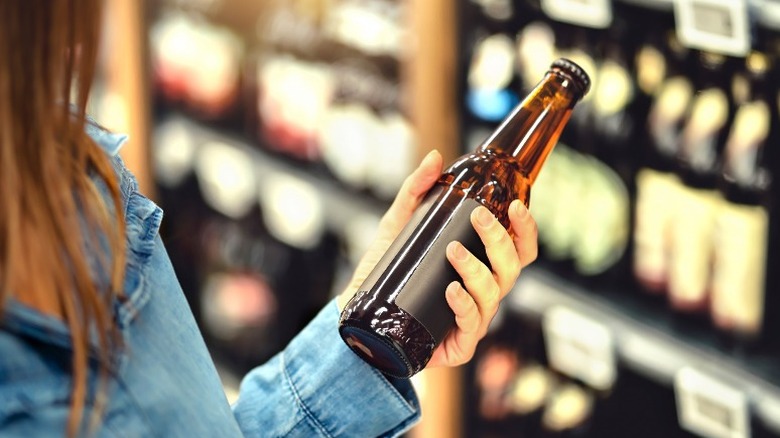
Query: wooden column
x,y
430,75
125,35
430,80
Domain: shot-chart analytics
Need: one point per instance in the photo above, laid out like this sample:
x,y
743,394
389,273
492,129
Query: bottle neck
x,y
531,131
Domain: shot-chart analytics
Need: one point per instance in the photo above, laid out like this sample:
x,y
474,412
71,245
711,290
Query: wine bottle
x,y
657,186
694,218
600,251
399,314
742,218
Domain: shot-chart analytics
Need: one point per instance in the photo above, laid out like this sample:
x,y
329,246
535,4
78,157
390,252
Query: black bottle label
x,y
415,272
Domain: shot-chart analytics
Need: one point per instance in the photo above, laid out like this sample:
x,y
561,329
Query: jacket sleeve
x,y
318,387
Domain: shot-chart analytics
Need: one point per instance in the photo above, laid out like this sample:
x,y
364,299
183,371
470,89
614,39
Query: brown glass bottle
x,y
742,219
693,219
657,184
399,314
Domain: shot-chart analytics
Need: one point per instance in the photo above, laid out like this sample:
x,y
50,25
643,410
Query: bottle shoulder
x,y
492,178
485,165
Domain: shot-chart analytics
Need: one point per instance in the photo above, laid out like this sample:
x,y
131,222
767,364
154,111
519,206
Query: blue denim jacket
x,y
165,383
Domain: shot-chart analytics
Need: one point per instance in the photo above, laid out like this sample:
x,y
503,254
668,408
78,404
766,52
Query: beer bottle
x,y
742,217
692,229
601,249
657,185
399,314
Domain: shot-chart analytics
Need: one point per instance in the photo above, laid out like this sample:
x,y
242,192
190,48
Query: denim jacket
x,y
165,384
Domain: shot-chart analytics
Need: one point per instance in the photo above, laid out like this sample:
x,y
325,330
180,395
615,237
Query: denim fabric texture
x,y
165,384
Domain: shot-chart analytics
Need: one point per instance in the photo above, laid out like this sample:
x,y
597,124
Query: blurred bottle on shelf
x,y
568,412
527,396
252,297
560,196
495,369
328,91
508,381
291,85
374,28
742,217
491,90
498,10
693,223
239,270
293,96
600,252
366,140
197,66
239,243
657,184
536,48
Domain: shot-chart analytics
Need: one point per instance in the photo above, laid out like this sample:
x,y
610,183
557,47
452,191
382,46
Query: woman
x,y
95,334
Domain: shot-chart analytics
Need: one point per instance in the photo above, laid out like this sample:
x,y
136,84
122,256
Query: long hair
x,y
51,212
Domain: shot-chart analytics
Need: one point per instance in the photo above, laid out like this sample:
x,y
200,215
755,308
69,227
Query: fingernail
x,y
429,157
460,295
484,217
458,251
521,209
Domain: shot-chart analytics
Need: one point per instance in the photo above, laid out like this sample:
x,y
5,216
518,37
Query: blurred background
x,y
274,134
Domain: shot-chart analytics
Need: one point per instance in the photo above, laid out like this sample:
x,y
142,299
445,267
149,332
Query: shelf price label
x,y
709,407
580,346
721,26
588,13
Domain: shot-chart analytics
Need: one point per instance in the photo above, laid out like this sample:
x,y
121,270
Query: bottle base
x,y
387,338
379,351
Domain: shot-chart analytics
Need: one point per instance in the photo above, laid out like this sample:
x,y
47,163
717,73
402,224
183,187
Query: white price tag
x,y
709,407
580,347
588,13
721,26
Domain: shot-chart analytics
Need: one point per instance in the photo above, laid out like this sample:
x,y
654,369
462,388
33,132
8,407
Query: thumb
x,y
414,187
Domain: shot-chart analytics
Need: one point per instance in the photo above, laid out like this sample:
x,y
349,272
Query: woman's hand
x,y
475,300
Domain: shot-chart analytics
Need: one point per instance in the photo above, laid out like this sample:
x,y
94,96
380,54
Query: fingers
x,y
466,313
525,233
500,248
477,279
412,190
460,346
477,304
473,311
505,254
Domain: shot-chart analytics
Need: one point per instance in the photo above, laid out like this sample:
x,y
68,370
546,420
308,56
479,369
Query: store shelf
x,y
765,12
341,203
768,13
650,341
666,5
655,343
